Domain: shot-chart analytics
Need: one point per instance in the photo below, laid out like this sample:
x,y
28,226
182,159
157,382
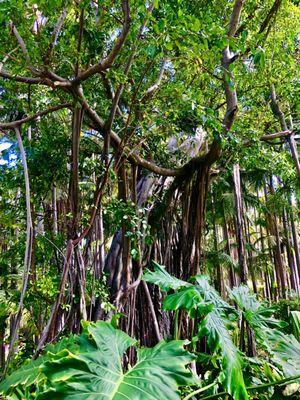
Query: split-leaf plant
x,y
219,323
91,366
94,364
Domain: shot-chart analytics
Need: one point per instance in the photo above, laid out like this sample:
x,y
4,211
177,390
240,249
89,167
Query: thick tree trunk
x,y
250,253
239,224
295,236
279,264
294,277
194,204
219,281
232,277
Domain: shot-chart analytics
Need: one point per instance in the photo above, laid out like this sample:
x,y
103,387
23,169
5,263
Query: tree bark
x,y
232,277
291,255
28,250
280,267
277,111
54,210
219,282
239,224
250,254
295,236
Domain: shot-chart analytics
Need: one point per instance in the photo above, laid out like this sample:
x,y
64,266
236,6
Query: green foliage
x,y
119,214
215,328
162,278
295,317
283,349
90,365
282,310
217,324
191,36
188,298
96,288
202,299
256,314
29,378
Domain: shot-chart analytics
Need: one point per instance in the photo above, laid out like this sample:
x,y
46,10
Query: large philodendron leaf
x,y
215,328
219,339
30,375
27,375
96,373
188,298
283,349
255,313
210,294
163,279
295,317
204,299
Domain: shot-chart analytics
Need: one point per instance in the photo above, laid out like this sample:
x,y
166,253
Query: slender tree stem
x,y
203,389
28,250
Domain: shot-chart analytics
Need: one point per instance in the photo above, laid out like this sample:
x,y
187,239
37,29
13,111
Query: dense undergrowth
x,y
237,348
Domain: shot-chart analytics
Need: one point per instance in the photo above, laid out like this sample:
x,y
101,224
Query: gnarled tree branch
x,y
55,34
108,61
22,44
15,124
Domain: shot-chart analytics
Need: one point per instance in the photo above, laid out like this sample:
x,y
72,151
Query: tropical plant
x,y
90,366
217,321
283,349
295,316
203,300
26,381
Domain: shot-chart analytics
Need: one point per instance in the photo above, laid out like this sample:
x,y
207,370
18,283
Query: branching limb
x,y
55,34
278,113
273,11
235,18
22,79
21,42
275,135
230,91
15,124
99,124
264,27
116,142
277,110
110,93
108,61
117,96
152,89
